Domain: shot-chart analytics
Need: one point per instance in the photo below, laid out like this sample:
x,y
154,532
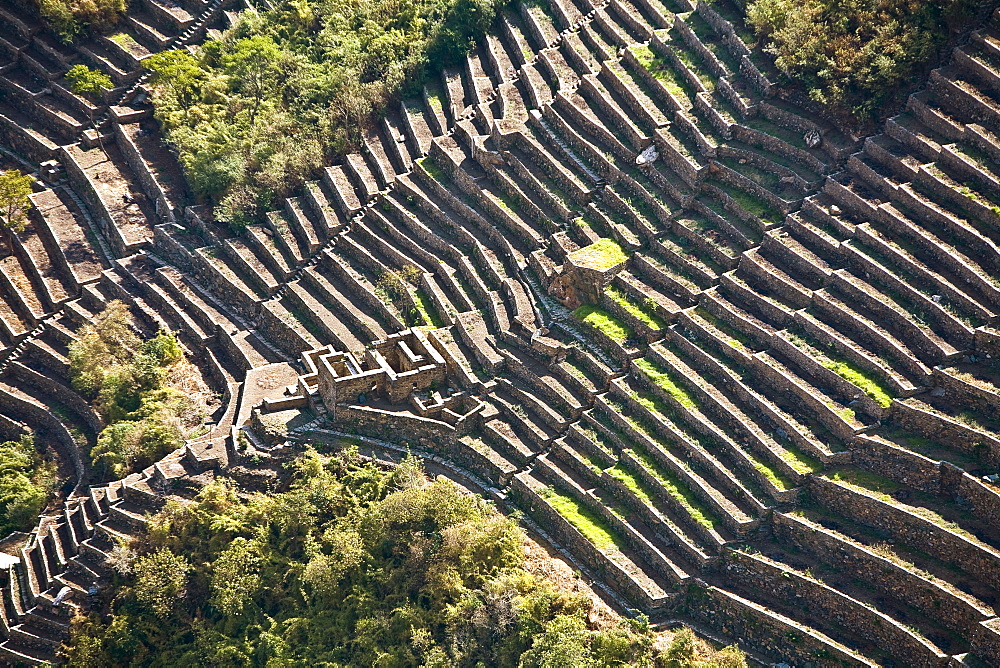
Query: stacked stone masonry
x,y
783,433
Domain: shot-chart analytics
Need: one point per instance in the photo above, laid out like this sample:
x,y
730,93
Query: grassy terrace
x,y
846,370
729,334
883,489
425,311
664,73
596,437
663,379
774,476
800,461
751,204
680,492
655,405
869,386
644,312
601,255
603,321
585,521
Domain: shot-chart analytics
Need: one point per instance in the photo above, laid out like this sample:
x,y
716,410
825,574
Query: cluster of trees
x,y
854,55
26,482
352,565
148,394
72,18
283,92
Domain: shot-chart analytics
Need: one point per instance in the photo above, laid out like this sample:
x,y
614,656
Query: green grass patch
x,y
603,321
653,405
432,169
662,378
678,491
643,312
775,477
800,461
601,255
585,521
869,386
662,72
868,482
634,484
424,309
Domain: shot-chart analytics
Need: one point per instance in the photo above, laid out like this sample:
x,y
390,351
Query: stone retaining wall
x,y
780,584
902,525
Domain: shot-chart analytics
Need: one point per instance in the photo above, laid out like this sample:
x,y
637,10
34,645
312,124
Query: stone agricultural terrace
x,y
745,381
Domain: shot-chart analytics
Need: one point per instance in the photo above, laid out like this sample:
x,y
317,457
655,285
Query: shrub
x,y
149,395
72,18
255,113
26,482
351,564
854,55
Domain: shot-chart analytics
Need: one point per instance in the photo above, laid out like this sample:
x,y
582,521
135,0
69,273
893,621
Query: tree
x,y
161,580
178,70
14,203
254,66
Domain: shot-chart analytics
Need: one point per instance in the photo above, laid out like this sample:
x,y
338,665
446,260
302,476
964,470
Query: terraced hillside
x,y
773,422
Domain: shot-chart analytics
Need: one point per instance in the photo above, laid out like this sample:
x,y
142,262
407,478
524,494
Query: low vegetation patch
x,y
869,386
855,56
352,565
149,396
644,312
586,522
604,322
800,461
662,378
774,476
256,112
679,491
601,255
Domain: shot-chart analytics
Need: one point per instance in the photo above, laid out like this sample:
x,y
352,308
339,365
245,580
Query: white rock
x,y
648,156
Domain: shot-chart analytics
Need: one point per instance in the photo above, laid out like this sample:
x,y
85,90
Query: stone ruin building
x,y
739,483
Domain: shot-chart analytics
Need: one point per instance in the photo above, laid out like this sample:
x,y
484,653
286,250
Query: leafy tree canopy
x,y
352,565
14,203
256,112
26,481
853,55
149,395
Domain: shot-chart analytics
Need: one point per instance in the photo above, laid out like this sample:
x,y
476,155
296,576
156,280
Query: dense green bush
x,y
26,481
352,565
148,394
283,92
853,55
71,18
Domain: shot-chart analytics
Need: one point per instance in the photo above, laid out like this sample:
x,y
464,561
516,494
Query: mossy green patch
x,y
601,255
603,321
585,521
644,312
869,386
662,378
